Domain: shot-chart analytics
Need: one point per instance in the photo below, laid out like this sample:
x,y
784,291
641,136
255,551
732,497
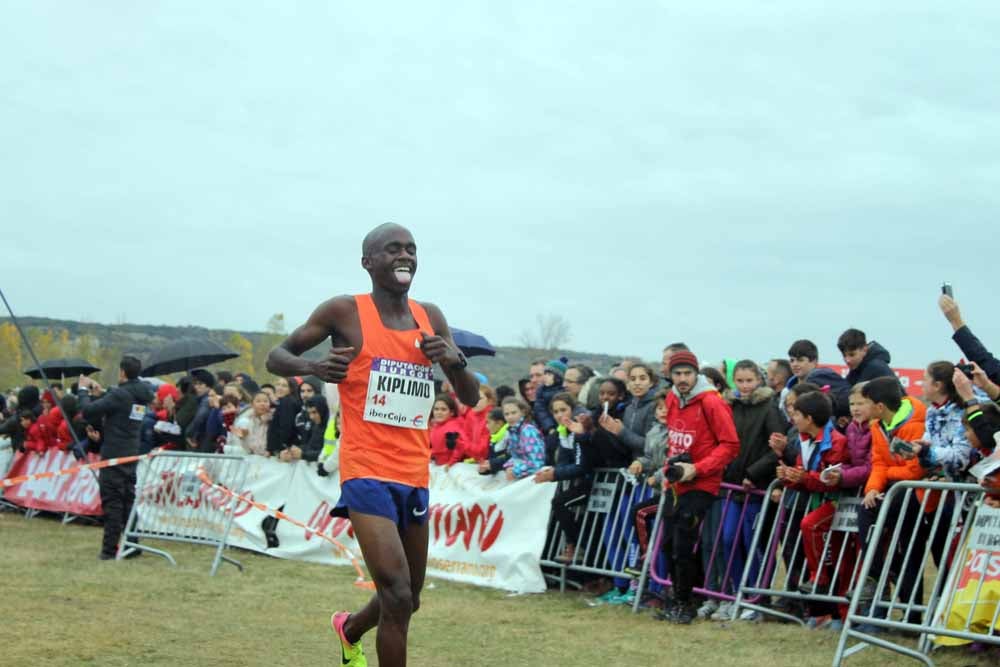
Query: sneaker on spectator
x,y
751,615
667,612
816,622
626,598
707,608
812,584
610,597
724,612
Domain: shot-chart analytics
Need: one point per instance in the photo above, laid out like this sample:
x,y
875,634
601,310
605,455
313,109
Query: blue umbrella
x,y
472,344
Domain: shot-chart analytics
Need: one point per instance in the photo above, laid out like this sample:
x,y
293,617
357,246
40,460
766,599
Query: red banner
x,y
77,493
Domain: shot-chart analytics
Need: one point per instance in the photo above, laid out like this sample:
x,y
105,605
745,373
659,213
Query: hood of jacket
x,y
761,394
140,391
701,386
876,353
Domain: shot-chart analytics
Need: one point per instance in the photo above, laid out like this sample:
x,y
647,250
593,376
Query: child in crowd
x,y
229,409
478,443
497,457
35,439
631,429
447,431
649,468
821,446
552,384
605,449
756,417
565,459
525,446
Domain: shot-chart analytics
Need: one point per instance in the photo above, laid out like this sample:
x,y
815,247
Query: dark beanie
x,y
203,376
683,358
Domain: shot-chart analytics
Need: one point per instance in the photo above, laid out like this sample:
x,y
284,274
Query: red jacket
x,y
36,440
55,429
830,449
478,444
439,449
701,425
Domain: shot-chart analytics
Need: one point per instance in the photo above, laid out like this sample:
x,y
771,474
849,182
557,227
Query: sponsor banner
x,y
484,530
6,456
77,493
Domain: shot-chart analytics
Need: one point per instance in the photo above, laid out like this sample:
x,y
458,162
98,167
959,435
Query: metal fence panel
x,y
172,504
927,531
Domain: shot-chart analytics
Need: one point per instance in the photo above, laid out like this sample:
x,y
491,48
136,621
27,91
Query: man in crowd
x,y
582,383
866,360
122,410
668,352
967,341
702,441
536,374
197,434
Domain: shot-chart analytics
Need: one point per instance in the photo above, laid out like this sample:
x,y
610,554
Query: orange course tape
x,y
278,514
109,463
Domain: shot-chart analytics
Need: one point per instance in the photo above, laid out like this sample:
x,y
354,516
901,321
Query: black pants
x,y
682,519
117,485
564,505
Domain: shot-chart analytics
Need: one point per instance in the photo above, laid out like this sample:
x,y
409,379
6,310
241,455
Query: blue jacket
x,y
540,410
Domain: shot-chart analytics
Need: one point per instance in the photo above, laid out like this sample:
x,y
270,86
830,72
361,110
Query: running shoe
x,y
724,612
707,608
351,655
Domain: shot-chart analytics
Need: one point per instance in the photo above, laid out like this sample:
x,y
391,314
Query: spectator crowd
x,y
682,428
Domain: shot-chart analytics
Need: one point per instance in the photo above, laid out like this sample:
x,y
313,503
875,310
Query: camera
x,y
675,472
450,439
966,369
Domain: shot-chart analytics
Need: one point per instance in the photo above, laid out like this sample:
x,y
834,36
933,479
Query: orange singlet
x,y
386,401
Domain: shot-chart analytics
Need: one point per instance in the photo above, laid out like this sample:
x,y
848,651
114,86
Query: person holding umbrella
x,y
122,410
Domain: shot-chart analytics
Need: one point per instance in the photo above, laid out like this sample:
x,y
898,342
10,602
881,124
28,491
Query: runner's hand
x,y
333,367
439,351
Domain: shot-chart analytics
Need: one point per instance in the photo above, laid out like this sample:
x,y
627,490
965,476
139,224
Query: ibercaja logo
x,y
418,421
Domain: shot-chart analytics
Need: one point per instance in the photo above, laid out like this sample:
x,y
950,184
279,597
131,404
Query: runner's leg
x,y
392,606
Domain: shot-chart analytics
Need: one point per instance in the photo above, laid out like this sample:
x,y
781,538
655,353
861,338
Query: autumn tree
x,y
551,332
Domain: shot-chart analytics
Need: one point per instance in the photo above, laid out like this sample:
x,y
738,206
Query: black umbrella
x,y
472,344
56,369
186,354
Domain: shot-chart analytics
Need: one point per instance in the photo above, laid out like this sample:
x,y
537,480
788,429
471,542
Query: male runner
x,y
384,346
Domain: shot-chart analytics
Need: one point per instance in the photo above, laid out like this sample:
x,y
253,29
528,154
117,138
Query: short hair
x,y
850,340
491,395
27,414
661,395
566,398
783,366
803,388
653,377
749,365
267,385
131,366
858,389
521,404
676,347
495,414
538,362
884,390
56,385
229,399
449,401
816,405
375,235
586,372
803,348
503,391
715,377
225,377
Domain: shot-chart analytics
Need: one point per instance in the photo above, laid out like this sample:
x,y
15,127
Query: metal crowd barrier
x,y
172,504
607,545
956,545
723,588
778,532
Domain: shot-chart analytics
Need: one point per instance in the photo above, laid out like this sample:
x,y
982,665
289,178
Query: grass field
x,y
62,607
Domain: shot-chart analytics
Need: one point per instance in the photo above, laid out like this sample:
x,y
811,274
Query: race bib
x,y
138,412
400,394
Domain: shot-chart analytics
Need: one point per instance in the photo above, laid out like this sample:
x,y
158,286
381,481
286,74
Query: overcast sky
x,y
732,174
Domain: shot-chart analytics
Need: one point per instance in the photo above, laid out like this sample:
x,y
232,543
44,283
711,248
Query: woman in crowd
x,y
282,439
448,439
566,463
604,448
250,430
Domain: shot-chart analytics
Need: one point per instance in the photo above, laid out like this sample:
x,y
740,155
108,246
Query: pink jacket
x,y
859,451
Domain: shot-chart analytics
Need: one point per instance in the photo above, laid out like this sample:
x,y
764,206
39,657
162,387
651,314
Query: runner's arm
x,y
286,361
465,383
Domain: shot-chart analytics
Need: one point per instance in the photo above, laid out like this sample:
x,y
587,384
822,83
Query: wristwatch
x,y
971,403
462,363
